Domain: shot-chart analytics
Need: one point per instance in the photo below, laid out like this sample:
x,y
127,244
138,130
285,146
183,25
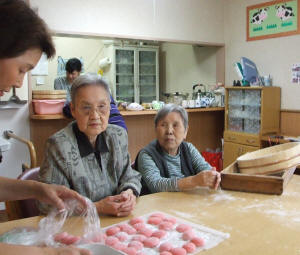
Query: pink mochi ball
x,y
165,247
158,214
138,226
112,231
111,241
130,251
183,228
154,220
151,242
165,253
172,220
119,246
146,232
140,238
188,235
136,220
166,225
178,251
189,247
122,236
159,234
198,241
136,244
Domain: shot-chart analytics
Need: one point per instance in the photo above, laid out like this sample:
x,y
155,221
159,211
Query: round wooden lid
x,y
271,155
49,96
49,92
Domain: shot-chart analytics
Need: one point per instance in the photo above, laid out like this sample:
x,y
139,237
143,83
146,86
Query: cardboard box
x,y
232,179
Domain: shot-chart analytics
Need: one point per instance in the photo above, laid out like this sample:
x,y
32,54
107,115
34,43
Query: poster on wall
x,y
273,19
296,73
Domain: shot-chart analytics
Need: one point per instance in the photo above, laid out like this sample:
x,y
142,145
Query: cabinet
x,y
250,112
134,73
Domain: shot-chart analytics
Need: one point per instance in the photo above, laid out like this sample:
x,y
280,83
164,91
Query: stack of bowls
x,y
48,101
270,160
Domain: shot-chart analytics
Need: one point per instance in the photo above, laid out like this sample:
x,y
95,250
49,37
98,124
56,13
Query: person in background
x,y
24,36
91,156
115,116
73,69
169,163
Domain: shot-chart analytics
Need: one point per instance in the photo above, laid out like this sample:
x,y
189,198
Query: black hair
x,y
73,64
22,29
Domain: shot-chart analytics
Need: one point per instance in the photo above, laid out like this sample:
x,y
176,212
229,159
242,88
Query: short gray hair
x,y
168,108
87,80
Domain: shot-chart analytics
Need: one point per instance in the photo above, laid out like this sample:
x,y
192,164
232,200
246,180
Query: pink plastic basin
x,y
48,106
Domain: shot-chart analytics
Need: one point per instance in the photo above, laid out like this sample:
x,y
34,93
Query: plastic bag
x,y
214,159
52,224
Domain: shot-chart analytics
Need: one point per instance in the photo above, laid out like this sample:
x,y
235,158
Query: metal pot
x,y
175,98
200,93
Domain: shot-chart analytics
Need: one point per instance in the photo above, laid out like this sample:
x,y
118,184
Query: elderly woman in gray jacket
x,y
169,163
90,155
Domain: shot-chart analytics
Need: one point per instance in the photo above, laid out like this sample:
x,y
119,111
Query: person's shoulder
x,y
115,129
190,146
62,135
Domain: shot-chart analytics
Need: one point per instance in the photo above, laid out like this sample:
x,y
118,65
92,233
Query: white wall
x,y
162,19
185,65
16,120
272,56
69,47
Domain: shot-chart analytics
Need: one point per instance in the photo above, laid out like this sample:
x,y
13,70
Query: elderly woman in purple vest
x,y
169,163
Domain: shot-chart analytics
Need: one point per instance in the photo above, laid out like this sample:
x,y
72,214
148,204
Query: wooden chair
x,y
23,208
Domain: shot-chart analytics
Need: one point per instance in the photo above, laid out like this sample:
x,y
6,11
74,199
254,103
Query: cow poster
x,y
273,19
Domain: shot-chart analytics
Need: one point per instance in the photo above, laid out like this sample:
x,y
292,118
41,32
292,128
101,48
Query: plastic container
x,y
48,106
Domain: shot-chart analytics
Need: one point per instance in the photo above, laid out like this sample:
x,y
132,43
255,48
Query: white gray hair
x,y
168,108
87,80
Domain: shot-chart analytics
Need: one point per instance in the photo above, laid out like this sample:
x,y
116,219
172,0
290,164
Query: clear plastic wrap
x,y
52,224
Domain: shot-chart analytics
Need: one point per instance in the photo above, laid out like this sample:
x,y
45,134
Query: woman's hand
x,y
55,194
208,178
128,202
119,205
